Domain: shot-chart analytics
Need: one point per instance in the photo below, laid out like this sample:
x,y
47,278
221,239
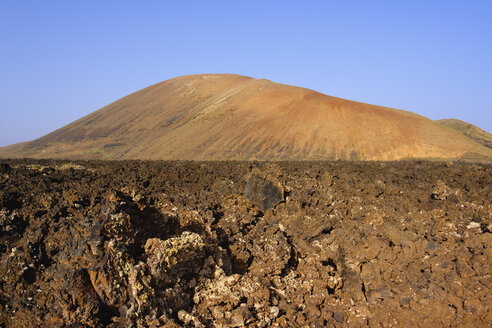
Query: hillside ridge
x,y
469,130
234,117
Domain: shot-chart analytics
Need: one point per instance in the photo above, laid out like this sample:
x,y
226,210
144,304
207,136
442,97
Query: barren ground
x,y
232,244
233,117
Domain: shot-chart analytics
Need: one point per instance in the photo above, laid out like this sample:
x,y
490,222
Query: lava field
x,y
245,244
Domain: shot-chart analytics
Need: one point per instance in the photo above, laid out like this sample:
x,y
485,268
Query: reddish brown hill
x,y
222,117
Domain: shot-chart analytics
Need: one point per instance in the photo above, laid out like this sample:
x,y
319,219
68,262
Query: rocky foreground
x,y
224,244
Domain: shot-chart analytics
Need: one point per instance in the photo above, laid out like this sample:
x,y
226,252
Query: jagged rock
x,y
264,192
441,192
174,256
174,243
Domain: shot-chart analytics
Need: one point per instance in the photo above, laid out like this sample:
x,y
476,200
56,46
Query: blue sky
x,y
61,60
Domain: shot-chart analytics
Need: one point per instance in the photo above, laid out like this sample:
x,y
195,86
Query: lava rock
x,y
4,168
263,192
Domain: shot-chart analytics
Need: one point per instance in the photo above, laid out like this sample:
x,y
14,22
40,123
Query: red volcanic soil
x,y
254,244
233,117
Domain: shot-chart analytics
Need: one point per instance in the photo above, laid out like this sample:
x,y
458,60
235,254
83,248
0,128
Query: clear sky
x,y
61,60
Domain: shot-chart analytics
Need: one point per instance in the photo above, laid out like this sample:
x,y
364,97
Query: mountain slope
x,y
469,130
222,117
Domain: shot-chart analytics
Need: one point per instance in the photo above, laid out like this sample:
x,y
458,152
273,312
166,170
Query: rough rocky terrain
x,y
233,244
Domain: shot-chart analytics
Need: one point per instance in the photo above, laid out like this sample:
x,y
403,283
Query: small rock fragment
x,y
338,316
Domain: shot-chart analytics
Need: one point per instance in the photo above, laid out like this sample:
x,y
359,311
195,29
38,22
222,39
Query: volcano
x,y
233,117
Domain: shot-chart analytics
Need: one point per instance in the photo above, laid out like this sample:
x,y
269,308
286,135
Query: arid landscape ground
x,y
230,164
288,241
255,244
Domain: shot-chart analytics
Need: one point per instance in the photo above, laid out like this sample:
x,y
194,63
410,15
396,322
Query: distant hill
x,y
469,130
233,117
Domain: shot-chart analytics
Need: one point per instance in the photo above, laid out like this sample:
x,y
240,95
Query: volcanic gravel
x,y
255,244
